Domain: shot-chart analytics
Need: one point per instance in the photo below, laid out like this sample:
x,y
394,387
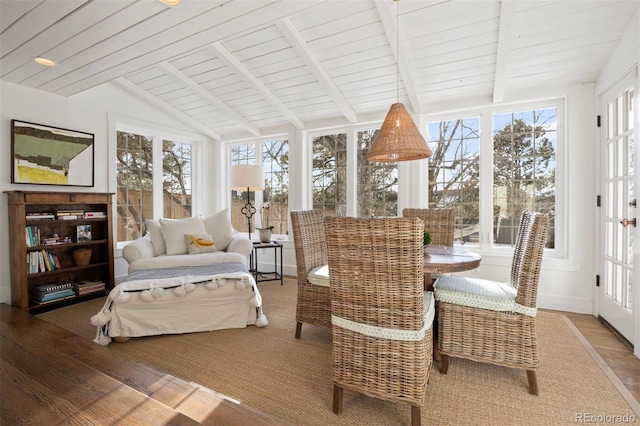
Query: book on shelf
x,y
55,240
71,217
90,215
54,295
32,236
70,212
49,288
86,287
40,216
44,302
42,261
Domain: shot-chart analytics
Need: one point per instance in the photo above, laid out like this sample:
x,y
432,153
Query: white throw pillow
x,y
202,243
219,226
157,240
174,230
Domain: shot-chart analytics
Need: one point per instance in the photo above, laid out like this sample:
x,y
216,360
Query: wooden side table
x,y
276,273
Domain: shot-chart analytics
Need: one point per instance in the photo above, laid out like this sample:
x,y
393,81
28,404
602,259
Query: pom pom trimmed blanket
x,y
180,300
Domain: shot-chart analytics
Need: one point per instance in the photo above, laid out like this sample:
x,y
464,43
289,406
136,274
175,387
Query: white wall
x,y
86,112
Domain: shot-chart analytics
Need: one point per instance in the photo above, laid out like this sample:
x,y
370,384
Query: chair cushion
x,y
319,275
393,333
479,293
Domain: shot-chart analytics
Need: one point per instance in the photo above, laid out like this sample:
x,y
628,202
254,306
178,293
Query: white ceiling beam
x,y
221,52
186,80
505,33
387,16
159,103
305,53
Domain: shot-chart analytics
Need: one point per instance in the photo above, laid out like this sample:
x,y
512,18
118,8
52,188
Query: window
x,y
375,184
454,172
524,146
330,174
272,203
141,191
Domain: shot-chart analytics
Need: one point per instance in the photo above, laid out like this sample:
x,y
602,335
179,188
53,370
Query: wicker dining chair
x,y
494,322
439,222
314,302
381,316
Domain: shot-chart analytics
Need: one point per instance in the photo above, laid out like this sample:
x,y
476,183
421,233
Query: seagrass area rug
x,y
267,368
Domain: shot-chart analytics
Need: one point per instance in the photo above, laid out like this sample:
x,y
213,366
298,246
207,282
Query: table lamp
x,y
247,177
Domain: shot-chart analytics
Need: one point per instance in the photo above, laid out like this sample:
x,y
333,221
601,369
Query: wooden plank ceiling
x,y
239,67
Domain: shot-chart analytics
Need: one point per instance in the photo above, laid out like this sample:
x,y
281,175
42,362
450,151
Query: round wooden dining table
x,y
443,260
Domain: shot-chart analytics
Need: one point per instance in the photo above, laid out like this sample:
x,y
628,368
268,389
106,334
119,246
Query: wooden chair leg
x,y
337,399
415,416
533,382
298,329
444,363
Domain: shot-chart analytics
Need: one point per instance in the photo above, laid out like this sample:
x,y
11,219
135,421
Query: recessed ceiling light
x,y
44,61
170,2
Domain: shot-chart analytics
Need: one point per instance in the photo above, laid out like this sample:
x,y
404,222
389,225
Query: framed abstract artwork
x,y
46,155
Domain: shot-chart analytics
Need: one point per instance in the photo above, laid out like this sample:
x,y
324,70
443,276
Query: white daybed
x,y
173,287
180,300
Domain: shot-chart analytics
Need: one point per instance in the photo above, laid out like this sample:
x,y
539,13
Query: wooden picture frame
x,y
47,155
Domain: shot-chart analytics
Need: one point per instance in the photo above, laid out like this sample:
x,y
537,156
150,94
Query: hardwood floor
x,y
50,375
614,351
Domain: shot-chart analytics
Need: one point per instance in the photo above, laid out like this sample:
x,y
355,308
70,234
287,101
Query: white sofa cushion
x,y
157,240
219,227
174,230
178,260
139,249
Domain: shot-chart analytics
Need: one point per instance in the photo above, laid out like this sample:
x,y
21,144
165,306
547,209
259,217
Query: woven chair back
x,y
376,270
309,240
439,222
527,256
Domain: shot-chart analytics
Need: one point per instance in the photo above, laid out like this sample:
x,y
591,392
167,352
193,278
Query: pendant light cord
x,y
397,51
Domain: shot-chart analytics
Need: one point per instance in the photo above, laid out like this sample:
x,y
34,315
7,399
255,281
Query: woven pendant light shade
x,y
398,139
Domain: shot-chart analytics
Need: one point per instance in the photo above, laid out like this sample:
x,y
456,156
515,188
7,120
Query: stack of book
x,y
91,215
40,216
47,293
56,240
70,214
42,261
87,287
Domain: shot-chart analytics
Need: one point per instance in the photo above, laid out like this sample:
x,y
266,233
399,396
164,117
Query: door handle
x,y
626,222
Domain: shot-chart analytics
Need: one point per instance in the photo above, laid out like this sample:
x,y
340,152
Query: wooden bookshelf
x,y
23,204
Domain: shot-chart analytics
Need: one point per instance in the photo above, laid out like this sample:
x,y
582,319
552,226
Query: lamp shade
x,y
245,176
399,139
